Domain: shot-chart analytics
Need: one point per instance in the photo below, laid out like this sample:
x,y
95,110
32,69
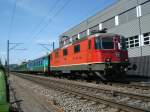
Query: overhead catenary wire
x,y
12,19
45,16
50,19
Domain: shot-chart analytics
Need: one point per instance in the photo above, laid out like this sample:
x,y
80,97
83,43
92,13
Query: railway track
x,y
121,100
136,86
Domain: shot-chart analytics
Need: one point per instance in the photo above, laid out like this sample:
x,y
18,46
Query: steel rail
x,y
86,95
113,92
136,86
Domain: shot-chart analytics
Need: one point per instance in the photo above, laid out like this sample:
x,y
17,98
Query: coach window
x,y
77,48
41,63
65,52
38,63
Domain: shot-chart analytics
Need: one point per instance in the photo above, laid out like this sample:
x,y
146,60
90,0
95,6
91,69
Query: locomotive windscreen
x,y
104,43
107,43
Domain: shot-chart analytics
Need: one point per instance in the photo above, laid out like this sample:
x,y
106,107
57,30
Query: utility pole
x,y
45,46
8,57
0,62
53,46
8,52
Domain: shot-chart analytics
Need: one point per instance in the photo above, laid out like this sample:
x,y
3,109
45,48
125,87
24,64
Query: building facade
x,y
130,18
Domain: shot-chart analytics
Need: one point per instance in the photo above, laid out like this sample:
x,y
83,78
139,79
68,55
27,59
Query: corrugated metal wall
x,y
143,66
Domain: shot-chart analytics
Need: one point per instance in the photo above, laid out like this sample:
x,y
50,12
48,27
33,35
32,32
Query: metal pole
x,y
53,46
140,29
8,58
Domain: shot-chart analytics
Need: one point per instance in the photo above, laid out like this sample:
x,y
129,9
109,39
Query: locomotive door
x,y
89,51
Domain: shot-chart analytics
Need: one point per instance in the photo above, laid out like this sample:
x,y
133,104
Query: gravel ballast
x,y
36,98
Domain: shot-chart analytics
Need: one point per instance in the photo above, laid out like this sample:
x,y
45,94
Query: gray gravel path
x,y
29,101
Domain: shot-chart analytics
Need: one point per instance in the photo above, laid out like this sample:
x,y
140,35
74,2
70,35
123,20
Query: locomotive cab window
x,y
77,48
107,43
65,52
97,43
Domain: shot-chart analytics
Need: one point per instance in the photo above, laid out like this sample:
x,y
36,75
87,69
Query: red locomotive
x,y
102,55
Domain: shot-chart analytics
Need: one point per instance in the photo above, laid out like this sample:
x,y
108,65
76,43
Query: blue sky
x,y
40,21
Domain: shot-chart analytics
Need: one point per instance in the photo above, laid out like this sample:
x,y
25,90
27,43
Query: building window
x,y
83,34
127,16
132,41
96,28
146,37
145,8
77,48
110,23
65,52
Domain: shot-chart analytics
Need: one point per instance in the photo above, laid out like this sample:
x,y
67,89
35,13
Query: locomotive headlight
x,y
126,59
108,59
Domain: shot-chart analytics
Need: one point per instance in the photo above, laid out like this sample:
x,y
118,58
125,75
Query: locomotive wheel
x,y
89,77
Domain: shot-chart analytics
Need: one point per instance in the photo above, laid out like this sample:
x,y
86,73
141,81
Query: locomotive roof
x,y
105,34
111,35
